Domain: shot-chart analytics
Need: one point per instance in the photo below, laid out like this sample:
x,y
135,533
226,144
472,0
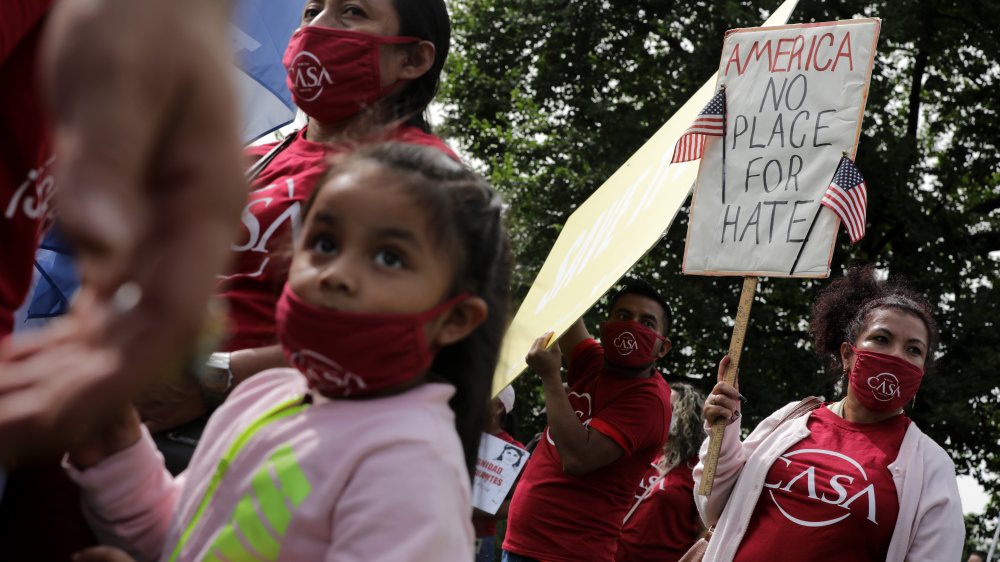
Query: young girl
x,y
394,308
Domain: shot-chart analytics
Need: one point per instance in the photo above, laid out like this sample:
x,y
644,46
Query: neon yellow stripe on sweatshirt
x,y
285,409
272,502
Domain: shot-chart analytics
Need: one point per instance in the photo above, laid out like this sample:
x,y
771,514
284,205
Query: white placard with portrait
x,y
497,468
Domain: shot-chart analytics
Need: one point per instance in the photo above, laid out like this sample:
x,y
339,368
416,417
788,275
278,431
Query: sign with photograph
x,y
497,468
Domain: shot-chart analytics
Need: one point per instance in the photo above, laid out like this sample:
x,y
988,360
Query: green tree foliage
x,y
552,96
979,531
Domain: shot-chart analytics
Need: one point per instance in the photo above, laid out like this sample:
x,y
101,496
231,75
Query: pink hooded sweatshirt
x,y
344,480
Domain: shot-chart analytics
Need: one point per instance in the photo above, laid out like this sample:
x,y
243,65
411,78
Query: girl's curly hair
x,y
842,309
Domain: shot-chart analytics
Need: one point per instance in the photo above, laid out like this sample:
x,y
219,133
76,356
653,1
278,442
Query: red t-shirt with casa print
x,y
26,181
488,527
271,217
559,517
831,496
666,523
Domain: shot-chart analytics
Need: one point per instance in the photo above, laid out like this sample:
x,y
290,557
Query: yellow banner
x,y
609,233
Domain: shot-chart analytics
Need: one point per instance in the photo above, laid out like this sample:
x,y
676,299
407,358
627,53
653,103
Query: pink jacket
x,y
345,480
929,527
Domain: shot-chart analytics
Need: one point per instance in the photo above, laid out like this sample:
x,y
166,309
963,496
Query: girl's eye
x,y
389,259
914,350
324,245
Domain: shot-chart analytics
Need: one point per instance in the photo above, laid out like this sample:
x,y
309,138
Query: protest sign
x,y
497,468
795,96
608,234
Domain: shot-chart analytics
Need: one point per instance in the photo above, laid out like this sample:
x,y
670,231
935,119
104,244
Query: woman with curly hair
x,y
664,522
849,480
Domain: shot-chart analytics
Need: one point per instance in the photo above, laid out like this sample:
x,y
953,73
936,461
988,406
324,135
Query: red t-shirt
x,y
665,525
556,516
272,215
831,496
488,527
26,181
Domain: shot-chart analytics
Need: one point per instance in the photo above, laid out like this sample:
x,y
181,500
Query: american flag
x,y
847,196
708,124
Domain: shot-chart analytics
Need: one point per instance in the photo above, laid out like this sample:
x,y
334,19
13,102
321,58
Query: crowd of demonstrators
x,y
368,288
664,522
362,72
601,435
501,409
854,479
395,306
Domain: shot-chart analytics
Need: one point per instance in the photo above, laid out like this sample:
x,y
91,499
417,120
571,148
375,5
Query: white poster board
x,y
795,97
497,468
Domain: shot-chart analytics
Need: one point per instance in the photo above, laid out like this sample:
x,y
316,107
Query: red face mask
x,y
354,354
628,343
883,383
334,73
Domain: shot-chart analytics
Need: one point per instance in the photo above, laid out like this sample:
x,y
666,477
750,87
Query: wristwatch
x,y
216,379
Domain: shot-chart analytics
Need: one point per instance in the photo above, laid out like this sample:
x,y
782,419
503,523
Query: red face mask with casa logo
x,y
334,73
628,343
883,383
354,354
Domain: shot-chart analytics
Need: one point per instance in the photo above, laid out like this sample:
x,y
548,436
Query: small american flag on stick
x,y
847,196
709,123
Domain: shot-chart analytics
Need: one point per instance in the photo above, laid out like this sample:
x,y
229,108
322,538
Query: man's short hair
x,y
643,289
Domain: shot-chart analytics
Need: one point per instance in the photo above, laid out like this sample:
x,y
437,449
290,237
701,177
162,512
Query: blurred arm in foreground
x,y
150,190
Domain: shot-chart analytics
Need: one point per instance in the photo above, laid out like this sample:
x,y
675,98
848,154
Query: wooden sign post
x,y
735,350
794,99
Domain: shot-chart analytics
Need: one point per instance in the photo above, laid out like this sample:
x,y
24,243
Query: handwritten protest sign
x,y
497,468
608,234
795,97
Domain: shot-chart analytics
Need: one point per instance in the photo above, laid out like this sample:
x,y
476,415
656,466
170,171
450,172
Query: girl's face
x,y
893,332
375,17
366,247
510,456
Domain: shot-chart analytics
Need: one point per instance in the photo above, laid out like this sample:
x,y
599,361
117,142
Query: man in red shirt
x,y
602,433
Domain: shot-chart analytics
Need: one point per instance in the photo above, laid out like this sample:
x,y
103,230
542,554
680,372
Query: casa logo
x,y
33,196
582,407
885,386
650,479
326,374
308,75
813,500
625,343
